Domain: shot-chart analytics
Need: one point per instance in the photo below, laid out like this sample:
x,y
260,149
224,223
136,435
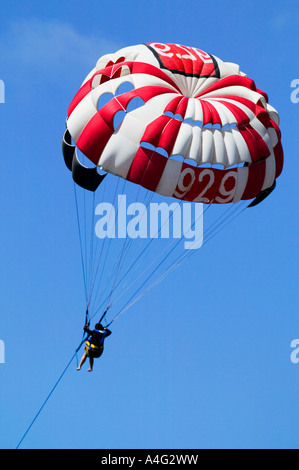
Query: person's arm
x,y
107,331
87,330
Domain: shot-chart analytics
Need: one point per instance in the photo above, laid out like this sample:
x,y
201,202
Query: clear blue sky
x,y
202,360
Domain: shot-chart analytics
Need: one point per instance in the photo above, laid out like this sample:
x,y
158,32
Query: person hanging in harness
x,y
94,345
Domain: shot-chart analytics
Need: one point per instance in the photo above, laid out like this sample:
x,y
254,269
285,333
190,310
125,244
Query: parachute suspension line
x,y
172,247
80,242
175,264
137,261
144,282
91,254
94,247
116,269
189,253
227,220
148,277
138,258
150,195
210,234
85,237
101,252
85,226
96,296
143,253
122,252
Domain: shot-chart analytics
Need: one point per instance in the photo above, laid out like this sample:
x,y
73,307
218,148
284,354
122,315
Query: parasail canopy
x,y
177,121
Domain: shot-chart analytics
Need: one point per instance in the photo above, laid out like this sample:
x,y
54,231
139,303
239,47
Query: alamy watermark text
x,y
158,220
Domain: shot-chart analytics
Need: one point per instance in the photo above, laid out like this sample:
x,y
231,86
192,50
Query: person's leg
x,y
90,364
83,359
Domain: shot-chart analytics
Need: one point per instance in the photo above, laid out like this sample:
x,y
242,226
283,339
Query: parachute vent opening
x,y
118,119
190,162
124,87
177,158
133,104
104,99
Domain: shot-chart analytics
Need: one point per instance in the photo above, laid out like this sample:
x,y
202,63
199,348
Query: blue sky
x,y
203,359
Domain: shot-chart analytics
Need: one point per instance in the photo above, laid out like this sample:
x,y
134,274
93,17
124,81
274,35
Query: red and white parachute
x,y
180,123
201,131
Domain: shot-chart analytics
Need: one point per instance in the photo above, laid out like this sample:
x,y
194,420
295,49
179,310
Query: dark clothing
x,y
95,344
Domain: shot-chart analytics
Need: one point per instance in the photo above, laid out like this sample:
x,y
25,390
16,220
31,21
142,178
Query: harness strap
x,y
87,319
